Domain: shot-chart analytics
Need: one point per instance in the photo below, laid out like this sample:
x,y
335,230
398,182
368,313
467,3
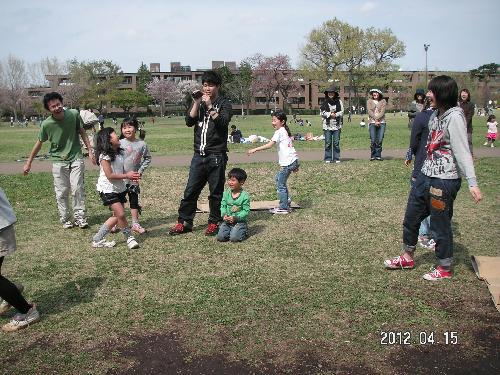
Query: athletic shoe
x,y
137,228
103,243
212,229
399,262
422,239
4,305
179,228
20,321
437,274
328,161
68,224
81,222
485,144
492,145
429,244
372,159
337,161
279,211
132,243
378,159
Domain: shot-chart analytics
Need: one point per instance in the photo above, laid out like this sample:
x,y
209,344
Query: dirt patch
x,y
165,354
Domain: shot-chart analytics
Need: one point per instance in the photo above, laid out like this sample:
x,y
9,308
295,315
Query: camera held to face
x,y
196,94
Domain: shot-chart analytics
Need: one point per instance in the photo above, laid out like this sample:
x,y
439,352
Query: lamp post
x,y
426,47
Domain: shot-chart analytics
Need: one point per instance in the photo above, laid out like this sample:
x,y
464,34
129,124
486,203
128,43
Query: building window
x,y
127,80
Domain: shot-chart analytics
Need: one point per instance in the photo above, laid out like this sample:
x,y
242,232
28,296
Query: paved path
x,y
239,158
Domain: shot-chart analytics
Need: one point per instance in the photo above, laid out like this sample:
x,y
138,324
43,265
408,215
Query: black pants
x,y
212,169
10,293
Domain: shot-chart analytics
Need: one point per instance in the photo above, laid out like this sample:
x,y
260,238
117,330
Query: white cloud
x,y
368,7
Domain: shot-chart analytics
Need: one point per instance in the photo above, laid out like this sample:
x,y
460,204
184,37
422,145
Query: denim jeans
x,y
432,196
332,144
281,179
69,181
425,225
234,233
210,168
376,139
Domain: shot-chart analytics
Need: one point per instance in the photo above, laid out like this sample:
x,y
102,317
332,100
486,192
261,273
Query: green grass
x,y
170,136
310,282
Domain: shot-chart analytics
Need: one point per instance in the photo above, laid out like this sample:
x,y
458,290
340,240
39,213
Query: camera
x,y
196,94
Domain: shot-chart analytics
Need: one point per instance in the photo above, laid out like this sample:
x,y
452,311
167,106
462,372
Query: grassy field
x,y
305,294
170,136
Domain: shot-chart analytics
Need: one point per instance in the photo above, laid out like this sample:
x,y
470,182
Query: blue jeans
x,y
425,225
332,144
376,139
234,233
281,179
432,196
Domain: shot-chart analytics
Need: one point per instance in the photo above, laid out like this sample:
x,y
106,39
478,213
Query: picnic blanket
x,y
488,269
254,205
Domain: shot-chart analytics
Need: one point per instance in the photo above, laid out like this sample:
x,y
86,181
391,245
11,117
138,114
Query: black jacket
x,y
210,136
418,139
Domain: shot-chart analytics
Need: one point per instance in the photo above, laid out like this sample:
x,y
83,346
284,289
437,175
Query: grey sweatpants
x,y
69,178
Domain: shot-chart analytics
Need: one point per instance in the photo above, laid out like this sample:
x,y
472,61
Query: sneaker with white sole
x,y
279,211
437,274
68,225
20,321
429,244
4,305
399,262
137,228
103,243
81,222
132,243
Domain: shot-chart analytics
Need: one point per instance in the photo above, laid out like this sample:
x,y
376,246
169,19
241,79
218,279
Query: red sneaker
x,y
212,229
399,262
179,228
437,274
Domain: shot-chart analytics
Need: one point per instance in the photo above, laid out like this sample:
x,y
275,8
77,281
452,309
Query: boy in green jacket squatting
x,y
234,208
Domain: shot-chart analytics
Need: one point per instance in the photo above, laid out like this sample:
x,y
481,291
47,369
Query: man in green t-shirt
x,y
62,129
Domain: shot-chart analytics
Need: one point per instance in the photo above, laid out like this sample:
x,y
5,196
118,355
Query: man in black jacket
x,y
209,116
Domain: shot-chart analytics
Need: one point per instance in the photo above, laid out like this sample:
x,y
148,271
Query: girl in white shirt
x,y
288,159
112,188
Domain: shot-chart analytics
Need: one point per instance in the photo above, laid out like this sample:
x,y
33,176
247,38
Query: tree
x,y
98,78
127,99
39,71
164,91
184,89
13,83
367,56
484,74
143,78
242,85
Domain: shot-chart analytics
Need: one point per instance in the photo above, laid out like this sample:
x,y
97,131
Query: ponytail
x,y
287,130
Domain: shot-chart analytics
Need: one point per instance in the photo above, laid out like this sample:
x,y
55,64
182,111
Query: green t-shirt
x,y
239,207
63,136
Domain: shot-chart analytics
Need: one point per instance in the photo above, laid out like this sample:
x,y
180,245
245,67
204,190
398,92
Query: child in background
x,y
288,159
492,131
111,187
137,158
10,294
235,134
234,208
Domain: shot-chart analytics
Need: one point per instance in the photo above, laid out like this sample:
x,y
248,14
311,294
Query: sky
x,y
462,34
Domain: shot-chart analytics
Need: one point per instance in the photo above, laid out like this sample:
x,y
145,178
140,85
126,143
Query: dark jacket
x,y
468,109
418,139
210,136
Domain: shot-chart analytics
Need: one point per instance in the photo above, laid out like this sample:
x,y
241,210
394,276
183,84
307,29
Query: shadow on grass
x,y
68,295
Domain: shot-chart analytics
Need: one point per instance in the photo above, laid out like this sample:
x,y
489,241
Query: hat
x,y
332,89
419,92
376,90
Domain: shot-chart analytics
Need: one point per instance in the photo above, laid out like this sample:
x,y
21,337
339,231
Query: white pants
x,y
69,178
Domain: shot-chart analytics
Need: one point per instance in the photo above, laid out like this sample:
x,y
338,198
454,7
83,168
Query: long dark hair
x,y
280,115
103,144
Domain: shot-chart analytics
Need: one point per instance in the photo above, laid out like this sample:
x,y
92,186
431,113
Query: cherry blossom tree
x,y
164,91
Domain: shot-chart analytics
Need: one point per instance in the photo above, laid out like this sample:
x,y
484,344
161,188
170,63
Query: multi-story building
x,y
310,95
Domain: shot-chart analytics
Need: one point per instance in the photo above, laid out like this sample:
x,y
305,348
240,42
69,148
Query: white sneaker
x,y
337,161
279,211
485,144
492,145
103,243
81,222
68,224
132,243
20,321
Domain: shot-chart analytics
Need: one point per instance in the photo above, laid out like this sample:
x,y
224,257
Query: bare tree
x,y
13,81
